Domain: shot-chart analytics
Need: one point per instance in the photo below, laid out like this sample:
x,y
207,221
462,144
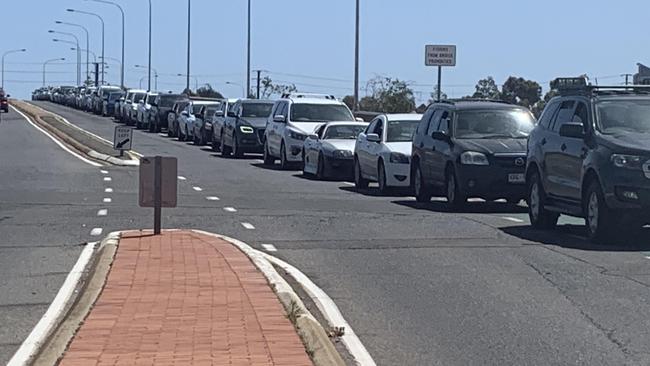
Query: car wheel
x,y
381,178
215,145
236,149
225,150
170,130
359,181
268,159
195,139
454,197
539,217
420,189
598,216
320,168
152,127
284,163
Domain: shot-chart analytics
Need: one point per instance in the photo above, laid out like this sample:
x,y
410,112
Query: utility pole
x,y
259,75
627,78
356,62
189,7
248,58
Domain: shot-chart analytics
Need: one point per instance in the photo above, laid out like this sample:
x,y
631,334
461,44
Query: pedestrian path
x,y
182,298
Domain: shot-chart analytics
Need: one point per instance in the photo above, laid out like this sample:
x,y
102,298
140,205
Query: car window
x,y
443,126
400,131
371,126
379,128
547,114
493,123
619,115
565,114
343,132
580,115
313,113
256,110
424,121
320,130
434,121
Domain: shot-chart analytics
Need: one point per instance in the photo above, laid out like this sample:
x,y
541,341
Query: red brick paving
x,y
182,298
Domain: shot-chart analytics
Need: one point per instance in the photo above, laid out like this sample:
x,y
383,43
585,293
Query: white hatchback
x,y
383,151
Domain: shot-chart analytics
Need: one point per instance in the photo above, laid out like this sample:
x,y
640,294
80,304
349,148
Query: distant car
x,y
4,104
144,106
382,153
202,131
471,149
101,96
244,128
329,151
160,110
219,121
295,116
131,110
172,117
188,116
108,109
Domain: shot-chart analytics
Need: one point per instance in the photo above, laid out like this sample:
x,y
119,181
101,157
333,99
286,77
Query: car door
x,y
442,149
274,134
362,145
312,147
374,148
428,147
554,171
231,123
571,156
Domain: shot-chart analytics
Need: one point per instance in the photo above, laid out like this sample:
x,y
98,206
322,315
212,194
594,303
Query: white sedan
x,y
328,152
383,151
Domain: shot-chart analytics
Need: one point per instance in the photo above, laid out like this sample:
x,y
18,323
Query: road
x,y
419,285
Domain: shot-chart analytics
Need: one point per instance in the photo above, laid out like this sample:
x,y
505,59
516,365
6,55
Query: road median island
x,y
187,297
75,137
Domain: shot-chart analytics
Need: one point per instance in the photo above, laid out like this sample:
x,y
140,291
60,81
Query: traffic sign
x,y
440,55
123,138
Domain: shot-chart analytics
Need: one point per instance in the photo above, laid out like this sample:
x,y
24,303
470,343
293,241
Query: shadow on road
x,y
275,167
313,178
575,237
470,207
374,192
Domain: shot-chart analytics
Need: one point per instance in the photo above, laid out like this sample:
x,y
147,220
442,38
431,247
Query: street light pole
x,y
87,43
78,52
248,58
78,55
155,75
121,11
149,45
2,84
47,62
189,30
356,61
103,32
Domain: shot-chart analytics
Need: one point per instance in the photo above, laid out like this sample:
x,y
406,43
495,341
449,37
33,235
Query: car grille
x,y
509,161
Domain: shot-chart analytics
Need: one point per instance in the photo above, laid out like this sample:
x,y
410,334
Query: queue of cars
x,y
588,156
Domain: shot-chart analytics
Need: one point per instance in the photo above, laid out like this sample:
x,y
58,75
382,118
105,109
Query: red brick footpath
x,y
182,298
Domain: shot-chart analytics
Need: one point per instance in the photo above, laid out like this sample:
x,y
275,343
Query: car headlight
x,y
473,158
398,158
246,129
297,135
342,154
627,161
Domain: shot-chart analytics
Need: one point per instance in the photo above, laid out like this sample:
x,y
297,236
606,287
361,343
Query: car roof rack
x,y
581,86
484,100
308,95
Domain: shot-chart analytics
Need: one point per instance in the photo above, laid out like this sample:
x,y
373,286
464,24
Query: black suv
x,y
4,104
160,108
471,148
590,157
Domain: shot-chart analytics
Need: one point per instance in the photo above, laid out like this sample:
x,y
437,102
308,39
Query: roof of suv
x,y
306,98
477,104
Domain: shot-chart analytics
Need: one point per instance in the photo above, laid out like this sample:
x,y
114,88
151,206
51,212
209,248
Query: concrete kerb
x,y
86,150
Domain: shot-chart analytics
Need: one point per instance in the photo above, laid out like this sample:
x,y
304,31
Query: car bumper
x,y
491,182
339,167
627,190
398,175
253,142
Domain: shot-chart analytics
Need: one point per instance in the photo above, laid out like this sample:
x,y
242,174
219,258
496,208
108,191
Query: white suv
x,y
292,119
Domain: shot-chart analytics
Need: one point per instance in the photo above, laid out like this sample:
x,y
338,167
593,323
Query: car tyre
x,y
320,168
359,181
420,189
268,159
381,178
540,218
284,163
454,197
236,149
215,145
225,150
598,217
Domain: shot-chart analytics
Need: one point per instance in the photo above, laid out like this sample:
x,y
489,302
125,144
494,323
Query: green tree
x,y
388,96
434,95
369,104
207,91
538,108
517,90
487,89
269,89
349,101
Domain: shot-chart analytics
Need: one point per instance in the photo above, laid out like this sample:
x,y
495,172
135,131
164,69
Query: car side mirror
x,y
8,95
121,99
313,136
219,113
359,119
184,113
232,114
279,118
439,135
572,130
373,137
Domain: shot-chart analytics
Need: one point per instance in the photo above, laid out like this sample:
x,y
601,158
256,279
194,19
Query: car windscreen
x,y
114,96
493,123
209,113
620,116
343,132
400,131
256,109
196,108
167,101
320,113
138,97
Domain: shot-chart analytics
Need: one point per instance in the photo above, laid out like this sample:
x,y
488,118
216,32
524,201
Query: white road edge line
x,y
108,190
55,311
230,209
513,219
198,189
180,177
102,212
96,231
325,304
248,226
212,198
269,247
104,171
61,145
108,179
107,200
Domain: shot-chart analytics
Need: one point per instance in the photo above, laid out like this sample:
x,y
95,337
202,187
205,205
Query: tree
x,y
434,95
421,108
349,101
521,91
369,104
487,89
207,91
388,96
269,89
538,108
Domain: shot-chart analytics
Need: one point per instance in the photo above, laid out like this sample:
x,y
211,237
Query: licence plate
x,y
516,178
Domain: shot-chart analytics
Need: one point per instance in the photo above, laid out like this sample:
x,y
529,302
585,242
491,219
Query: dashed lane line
x,y
104,171
108,179
230,209
180,177
248,226
212,198
107,200
102,212
96,231
269,247
198,189
108,190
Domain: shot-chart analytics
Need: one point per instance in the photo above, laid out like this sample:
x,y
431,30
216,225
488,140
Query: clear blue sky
x,y
311,43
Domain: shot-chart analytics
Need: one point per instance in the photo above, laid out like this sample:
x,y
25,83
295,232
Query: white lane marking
x,y
513,219
102,212
198,189
61,145
180,177
259,161
162,134
107,200
55,311
269,247
248,226
104,171
107,179
108,190
96,231
647,257
349,183
230,209
212,198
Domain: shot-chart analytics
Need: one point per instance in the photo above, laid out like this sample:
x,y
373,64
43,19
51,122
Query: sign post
x,y
123,139
440,55
158,186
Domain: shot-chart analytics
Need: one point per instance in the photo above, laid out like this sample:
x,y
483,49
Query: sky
x,y
311,42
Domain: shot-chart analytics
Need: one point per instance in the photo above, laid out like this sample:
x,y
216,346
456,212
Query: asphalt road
x,y
420,285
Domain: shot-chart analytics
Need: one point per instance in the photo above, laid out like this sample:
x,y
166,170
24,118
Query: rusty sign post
x,y
158,185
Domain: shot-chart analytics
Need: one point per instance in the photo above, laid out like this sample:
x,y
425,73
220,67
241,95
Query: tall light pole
x,y
356,61
236,84
103,33
47,62
149,45
189,30
93,54
78,51
121,11
87,44
248,58
2,85
155,75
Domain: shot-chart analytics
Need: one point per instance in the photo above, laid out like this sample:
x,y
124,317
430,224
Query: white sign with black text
x,y
123,138
440,55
